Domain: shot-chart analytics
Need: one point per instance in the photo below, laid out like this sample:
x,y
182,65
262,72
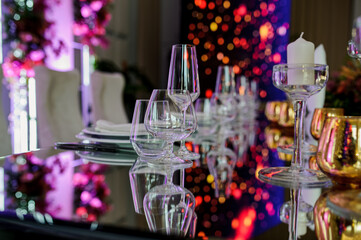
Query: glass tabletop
x,y
92,189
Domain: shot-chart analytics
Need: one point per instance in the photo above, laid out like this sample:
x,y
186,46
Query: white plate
x,y
123,133
110,163
123,159
83,136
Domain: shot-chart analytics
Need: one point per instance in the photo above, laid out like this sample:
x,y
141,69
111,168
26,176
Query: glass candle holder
x,y
299,81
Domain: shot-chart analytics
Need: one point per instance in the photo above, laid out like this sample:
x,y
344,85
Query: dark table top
x,y
51,188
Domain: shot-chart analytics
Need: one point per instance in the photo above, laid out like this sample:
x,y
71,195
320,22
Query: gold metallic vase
x,y
319,117
272,110
339,150
287,114
330,226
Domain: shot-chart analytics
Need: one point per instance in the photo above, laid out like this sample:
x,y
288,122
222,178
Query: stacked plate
x,y
121,136
119,140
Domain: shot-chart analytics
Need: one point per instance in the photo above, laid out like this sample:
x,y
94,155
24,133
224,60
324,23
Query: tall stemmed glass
x,y
354,45
183,74
165,119
223,100
299,81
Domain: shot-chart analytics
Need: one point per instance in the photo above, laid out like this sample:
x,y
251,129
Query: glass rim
x,y
171,90
180,45
142,100
287,66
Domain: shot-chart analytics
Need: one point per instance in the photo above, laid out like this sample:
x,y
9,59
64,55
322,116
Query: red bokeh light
x,y
263,94
241,10
224,27
190,36
80,211
237,193
209,93
199,200
211,5
202,4
276,58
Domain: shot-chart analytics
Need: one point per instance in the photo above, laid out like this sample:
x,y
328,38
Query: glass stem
x,y
181,177
169,149
295,199
299,108
183,145
169,171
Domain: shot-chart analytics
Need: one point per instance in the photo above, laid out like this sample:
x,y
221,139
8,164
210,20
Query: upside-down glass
x,y
221,163
164,119
169,208
142,178
183,74
299,81
145,144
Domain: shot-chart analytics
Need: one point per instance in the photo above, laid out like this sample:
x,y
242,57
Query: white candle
x,y
300,52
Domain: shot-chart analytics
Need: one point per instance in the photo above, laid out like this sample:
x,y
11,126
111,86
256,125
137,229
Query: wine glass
x,y
144,144
225,82
165,119
169,209
299,81
246,95
354,45
223,101
183,74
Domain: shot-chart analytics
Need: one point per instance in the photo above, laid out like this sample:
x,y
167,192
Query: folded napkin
x,y
107,126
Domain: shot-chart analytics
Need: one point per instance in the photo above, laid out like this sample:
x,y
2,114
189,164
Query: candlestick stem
x,y
295,198
299,108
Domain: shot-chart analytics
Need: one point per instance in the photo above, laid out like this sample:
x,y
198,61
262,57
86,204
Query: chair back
x,y
58,105
107,97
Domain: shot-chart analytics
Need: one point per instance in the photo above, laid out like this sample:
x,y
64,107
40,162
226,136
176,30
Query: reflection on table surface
x,y
62,185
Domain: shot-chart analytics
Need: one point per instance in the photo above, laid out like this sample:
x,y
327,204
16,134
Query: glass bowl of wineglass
x,y
170,116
